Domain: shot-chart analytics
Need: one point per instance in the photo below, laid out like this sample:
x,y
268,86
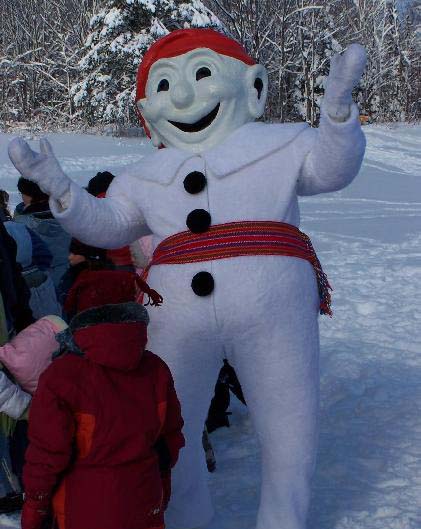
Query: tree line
x,y
296,38
62,61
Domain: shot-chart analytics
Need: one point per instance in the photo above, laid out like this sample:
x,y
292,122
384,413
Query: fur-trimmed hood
x,y
112,335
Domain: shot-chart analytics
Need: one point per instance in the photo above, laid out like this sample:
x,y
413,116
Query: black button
x,y
195,182
198,220
203,284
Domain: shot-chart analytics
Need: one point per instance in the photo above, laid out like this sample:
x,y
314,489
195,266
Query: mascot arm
x,y
110,222
333,154
106,223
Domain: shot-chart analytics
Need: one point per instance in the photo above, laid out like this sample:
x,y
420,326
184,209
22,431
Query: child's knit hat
x,y
95,288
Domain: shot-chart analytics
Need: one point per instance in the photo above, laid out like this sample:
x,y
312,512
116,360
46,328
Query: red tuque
x,y
182,41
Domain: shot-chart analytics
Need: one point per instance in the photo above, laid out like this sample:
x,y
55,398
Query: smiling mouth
x,y
199,125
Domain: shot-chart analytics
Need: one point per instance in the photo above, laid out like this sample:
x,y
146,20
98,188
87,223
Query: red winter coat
x,y
105,425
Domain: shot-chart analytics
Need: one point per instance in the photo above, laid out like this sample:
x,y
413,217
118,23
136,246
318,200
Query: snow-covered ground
x,y
368,237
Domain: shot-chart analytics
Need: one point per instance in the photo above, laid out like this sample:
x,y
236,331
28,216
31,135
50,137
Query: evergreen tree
x,y
120,35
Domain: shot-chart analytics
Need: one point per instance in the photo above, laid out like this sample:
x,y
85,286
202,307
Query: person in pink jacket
x,y
29,353
26,356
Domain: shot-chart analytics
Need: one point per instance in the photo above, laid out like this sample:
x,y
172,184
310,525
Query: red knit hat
x,y
95,288
182,41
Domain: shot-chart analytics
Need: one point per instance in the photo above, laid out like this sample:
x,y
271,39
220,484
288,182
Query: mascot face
x,y
195,100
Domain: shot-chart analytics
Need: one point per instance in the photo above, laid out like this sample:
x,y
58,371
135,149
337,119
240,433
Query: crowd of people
x,y
73,336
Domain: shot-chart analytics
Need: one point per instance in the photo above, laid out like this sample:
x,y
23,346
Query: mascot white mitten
x,y
41,167
221,202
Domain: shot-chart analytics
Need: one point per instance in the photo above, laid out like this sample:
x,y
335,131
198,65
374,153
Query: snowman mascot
x,y
239,279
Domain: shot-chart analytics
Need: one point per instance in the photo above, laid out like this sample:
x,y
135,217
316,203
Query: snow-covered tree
x,y
42,42
39,45
120,35
316,28
388,88
294,39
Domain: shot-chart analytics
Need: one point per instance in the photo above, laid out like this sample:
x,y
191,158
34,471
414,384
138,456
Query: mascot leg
x,y
279,374
194,357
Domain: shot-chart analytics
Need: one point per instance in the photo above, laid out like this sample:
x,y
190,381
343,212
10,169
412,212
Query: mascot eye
x,y
163,85
258,85
203,72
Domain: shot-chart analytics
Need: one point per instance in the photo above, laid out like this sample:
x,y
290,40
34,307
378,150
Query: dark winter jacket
x,y
13,288
41,256
99,414
39,219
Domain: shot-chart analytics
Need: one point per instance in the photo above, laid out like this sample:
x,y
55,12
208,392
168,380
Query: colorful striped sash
x,y
236,239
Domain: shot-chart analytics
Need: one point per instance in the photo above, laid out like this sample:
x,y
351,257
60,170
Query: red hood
x,y
116,345
111,335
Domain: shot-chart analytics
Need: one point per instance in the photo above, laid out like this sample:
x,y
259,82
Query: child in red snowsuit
x,y
105,423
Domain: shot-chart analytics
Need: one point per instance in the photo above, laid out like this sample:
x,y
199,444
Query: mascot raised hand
x,y
239,279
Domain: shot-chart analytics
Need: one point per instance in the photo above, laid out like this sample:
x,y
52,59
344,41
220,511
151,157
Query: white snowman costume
x,y
262,310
